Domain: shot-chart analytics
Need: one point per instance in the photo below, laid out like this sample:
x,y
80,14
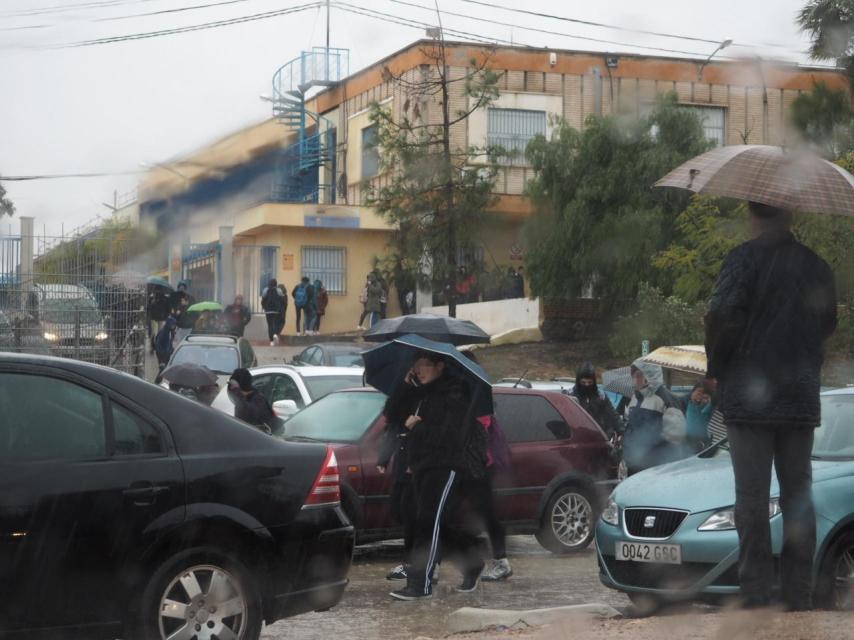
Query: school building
x,y
283,198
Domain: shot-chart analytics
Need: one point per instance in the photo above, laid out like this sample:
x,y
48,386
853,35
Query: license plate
x,y
643,552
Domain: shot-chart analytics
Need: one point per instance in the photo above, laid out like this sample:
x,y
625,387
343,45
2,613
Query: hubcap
x,y
844,588
572,518
202,603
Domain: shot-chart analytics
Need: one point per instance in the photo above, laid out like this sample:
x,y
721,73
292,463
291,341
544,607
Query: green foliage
x,y
830,26
663,320
7,207
706,231
597,220
825,119
434,197
841,342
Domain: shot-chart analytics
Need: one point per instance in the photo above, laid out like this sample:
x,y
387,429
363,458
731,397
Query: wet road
x,y
540,579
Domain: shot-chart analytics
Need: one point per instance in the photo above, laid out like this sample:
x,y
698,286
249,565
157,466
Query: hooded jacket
x,y
655,422
773,306
594,402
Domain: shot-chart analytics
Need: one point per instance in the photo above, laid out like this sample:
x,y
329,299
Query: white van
x,y
71,322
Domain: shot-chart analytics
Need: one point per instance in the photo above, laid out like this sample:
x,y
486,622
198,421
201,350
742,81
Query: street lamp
x,y
723,45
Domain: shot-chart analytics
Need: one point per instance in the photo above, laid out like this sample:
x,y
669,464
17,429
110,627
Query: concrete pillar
x,y
27,252
226,266
176,258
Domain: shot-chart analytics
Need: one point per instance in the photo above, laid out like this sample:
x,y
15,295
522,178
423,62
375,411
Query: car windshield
x,y
219,359
347,360
339,417
320,386
70,311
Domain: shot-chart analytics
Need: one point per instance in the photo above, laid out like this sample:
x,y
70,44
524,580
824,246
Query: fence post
x,y
226,270
27,253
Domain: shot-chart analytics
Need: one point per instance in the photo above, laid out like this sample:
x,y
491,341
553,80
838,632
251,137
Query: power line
x,y
61,176
554,33
197,27
174,10
60,8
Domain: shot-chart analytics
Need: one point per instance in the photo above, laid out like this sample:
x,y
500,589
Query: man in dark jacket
x,y
249,404
773,307
594,402
237,316
444,440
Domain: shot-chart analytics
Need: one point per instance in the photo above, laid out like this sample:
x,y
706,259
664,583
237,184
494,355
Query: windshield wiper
x,y
301,439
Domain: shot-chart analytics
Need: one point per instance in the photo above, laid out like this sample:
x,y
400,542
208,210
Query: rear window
x,y
217,359
321,386
347,360
339,417
529,418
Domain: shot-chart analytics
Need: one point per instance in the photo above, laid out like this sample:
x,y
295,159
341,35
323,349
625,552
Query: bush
x,y
659,319
841,344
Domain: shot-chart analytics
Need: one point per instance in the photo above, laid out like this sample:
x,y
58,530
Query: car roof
x,y
310,371
57,290
210,339
844,391
339,346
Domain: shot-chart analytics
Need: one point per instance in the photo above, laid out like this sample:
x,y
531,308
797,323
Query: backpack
x,y
301,296
268,302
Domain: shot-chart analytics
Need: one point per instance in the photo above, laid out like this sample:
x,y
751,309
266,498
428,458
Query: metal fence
x,y
253,267
76,300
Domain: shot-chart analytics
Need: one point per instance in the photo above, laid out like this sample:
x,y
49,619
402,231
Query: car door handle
x,y
144,493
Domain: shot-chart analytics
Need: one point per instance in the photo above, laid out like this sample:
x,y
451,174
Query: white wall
x,y
497,316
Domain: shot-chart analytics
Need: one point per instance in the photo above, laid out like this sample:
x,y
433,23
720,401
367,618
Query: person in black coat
x,y
445,445
594,402
250,405
773,306
237,316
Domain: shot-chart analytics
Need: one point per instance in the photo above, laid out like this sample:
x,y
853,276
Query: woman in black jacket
x,y
445,444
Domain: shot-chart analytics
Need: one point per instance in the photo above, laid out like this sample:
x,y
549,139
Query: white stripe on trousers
x,y
434,544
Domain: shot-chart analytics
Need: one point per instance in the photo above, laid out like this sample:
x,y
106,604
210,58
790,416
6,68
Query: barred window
x,y
714,123
327,264
370,152
513,129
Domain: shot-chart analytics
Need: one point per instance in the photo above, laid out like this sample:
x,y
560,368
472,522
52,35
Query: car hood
x,y
701,484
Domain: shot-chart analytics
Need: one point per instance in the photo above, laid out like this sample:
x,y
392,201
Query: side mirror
x,y
285,408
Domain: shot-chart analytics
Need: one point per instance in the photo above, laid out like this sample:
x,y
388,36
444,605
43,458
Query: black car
x,y
331,354
129,510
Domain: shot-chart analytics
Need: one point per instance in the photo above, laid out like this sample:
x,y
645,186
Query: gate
x,y
254,266
201,267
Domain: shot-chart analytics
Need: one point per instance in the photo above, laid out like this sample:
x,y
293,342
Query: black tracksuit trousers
x,y
438,496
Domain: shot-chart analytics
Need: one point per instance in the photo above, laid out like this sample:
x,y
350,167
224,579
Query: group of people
x,y
310,302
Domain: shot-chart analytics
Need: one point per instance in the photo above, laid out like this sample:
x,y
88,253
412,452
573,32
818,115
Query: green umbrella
x,y
205,306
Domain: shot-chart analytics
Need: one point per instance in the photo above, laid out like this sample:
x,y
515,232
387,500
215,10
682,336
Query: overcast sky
x,y
114,107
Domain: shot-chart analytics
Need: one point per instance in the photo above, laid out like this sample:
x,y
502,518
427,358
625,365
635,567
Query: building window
x,y
513,129
327,264
714,122
370,152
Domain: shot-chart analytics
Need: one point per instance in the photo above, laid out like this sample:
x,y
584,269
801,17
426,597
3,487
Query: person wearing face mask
x,y
594,402
655,423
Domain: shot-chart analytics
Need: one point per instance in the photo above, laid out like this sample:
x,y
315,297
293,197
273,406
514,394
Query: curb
x,y
473,619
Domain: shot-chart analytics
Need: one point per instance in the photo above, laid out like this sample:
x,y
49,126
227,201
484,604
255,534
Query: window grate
x,y
513,129
327,264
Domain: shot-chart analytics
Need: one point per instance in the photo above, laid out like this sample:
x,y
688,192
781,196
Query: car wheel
x,y
200,594
568,522
835,589
645,604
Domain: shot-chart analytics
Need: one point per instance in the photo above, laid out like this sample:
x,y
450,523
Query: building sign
x,y
516,252
332,222
287,262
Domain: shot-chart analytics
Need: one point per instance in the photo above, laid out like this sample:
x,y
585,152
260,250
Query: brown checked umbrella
x,y
785,178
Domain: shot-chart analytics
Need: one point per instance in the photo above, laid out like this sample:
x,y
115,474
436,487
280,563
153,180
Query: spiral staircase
x,y
306,170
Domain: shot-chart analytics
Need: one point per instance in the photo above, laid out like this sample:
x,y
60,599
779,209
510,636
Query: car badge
x,y
649,522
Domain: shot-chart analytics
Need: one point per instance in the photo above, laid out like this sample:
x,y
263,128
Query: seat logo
x,y
649,522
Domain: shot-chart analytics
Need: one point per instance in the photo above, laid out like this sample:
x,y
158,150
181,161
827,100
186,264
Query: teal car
x,y
667,534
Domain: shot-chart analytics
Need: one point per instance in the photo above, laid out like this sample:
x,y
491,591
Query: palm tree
x,y
830,25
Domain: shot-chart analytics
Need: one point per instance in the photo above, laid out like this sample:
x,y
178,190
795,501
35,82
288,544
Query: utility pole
x,y
328,9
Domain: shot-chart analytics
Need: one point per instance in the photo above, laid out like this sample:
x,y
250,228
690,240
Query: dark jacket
x,y
273,301
393,445
448,435
596,404
163,339
237,316
773,307
255,410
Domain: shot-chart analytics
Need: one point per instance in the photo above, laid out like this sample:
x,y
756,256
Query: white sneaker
x,y
272,343
276,338
500,570
358,327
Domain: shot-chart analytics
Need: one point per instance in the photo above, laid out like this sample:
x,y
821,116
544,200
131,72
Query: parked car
x,y
222,354
289,388
71,322
668,533
561,385
560,471
331,354
127,510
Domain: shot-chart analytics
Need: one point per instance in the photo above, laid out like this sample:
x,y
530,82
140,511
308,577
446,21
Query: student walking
x,y
274,304
300,294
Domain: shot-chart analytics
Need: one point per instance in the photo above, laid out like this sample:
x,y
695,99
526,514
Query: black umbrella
x,y
188,374
437,328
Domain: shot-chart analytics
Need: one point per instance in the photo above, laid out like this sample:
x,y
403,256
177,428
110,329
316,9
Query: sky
x,y
116,108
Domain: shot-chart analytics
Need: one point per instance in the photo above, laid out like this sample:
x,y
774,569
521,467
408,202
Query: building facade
x,y
285,198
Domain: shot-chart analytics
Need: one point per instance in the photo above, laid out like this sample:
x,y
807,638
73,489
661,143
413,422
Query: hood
x,y
653,372
586,370
701,484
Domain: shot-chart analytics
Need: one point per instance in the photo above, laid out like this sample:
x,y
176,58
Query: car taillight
x,y
326,488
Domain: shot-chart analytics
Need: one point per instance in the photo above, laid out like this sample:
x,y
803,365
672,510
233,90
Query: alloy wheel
x,y
202,603
843,593
572,518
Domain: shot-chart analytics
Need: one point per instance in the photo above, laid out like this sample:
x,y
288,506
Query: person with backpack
x,y
274,303
321,297
300,295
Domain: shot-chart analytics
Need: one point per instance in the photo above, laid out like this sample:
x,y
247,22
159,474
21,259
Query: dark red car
x,y
560,471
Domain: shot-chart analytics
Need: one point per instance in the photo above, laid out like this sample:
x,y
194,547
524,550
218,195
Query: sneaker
x,y
272,343
500,570
411,593
398,573
276,339
471,579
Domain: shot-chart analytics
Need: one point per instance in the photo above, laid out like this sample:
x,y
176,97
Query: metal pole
x,y
327,33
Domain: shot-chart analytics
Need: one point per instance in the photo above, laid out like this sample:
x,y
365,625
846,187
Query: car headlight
x,y
51,337
611,512
101,336
724,520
